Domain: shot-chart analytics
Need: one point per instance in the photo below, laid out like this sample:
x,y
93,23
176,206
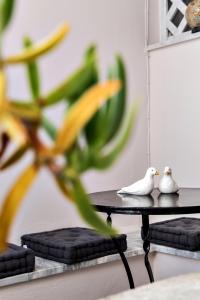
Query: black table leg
x,y
146,245
109,220
123,257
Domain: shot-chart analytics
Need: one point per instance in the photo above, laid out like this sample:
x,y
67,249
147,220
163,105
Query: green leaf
x,y
106,122
103,161
74,157
95,130
79,158
33,73
117,104
90,55
7,7
73,87
87,212
49,128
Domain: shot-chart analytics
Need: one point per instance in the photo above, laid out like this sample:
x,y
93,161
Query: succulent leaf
x,y
103,161
96,128
49,128
87,212
73,87
81,112
13,200
25,111
116,106
32,73
107,120
41,48
6,13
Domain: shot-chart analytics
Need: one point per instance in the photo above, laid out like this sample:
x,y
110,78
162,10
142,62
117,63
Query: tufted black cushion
x,y
181,233
16,260
72,245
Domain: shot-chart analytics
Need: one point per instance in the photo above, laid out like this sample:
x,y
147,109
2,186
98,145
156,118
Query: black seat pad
x,y
72,245
180,233
16,260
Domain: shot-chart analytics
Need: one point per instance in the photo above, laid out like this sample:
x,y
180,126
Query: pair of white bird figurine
x,y
145,186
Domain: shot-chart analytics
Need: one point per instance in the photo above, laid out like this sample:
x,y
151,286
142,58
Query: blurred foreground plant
x,y
93,132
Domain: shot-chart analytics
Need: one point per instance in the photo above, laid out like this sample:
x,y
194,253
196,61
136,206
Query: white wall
x,y
174,104
174,123
175,110
154,21
117,26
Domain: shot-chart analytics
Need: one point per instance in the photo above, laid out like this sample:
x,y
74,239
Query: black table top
x,y
186,201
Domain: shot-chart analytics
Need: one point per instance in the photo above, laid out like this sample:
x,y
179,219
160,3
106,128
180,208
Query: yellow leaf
x,y
2,90
82,111
13,200
14,128
31,53
31,113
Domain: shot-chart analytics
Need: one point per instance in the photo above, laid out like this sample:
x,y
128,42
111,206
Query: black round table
x,y
187,201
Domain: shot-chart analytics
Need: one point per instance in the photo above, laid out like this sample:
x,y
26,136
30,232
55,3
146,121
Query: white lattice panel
x,y
173,21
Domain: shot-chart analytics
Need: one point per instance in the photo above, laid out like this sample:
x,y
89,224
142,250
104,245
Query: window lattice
x,y
173,21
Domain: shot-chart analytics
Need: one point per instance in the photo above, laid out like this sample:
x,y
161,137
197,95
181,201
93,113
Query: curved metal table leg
x,y
123,257
146,245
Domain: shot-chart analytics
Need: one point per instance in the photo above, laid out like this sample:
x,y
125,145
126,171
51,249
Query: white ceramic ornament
x,y
167,184
142,187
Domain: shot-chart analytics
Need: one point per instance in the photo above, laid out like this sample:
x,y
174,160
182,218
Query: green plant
x,y
94,115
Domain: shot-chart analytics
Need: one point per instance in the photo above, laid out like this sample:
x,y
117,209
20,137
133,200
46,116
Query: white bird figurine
x,y
167,184
142,187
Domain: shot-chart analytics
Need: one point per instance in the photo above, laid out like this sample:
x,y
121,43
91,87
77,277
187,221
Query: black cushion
x,y
16,260
181,233
72,245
